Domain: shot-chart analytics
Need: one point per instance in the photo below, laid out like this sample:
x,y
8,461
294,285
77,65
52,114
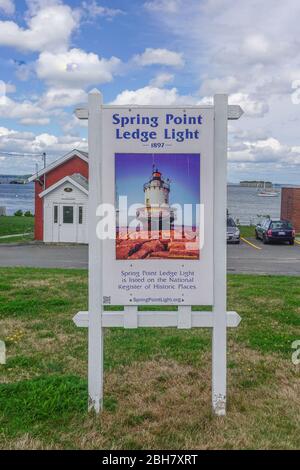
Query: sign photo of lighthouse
x,y
157,200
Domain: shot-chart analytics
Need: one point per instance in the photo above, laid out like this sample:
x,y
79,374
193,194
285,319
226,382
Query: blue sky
x,y
183,170
52,52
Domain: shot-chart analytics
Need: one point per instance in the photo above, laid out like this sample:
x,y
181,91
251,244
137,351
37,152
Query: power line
x,y
28,154
19,154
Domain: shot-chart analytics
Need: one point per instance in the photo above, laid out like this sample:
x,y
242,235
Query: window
x,y
230,222
80,214
68,215
281,224
55,215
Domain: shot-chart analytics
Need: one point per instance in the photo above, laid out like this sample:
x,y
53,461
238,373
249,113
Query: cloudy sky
x,y
152,51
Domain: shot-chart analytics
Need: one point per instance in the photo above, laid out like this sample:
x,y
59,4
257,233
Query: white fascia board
x,y
60,182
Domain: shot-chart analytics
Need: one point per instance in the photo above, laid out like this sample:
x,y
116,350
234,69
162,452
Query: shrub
x,y
18,213
28,214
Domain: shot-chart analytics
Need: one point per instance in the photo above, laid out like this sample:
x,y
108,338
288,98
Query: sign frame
x,y
96,318
194,156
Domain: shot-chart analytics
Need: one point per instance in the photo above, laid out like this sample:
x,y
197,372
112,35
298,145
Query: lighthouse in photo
x,y
157,228
156,214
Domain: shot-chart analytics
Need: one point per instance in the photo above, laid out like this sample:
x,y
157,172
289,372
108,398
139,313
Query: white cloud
x,y
7,6
265,151
12,140
162,79
45,140
93,9
75,68
34,6
256,45
252,106
50,28
25,111
71,124
35,121
62,97
167,6
250,51
212,86
10,88
6,88
252,42
23,70
152,95
159,57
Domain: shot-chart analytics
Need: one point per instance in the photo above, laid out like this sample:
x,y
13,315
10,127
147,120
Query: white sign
x,y
157,225
158,165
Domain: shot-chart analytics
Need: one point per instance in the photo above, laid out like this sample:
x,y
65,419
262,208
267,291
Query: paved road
x,y
243,258
269,259
44,256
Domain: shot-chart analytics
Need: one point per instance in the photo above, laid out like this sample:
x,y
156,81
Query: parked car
x,y
270,230
233,232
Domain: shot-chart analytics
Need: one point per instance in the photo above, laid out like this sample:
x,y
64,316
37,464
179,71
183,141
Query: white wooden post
x,y
95,319
219,362
95,336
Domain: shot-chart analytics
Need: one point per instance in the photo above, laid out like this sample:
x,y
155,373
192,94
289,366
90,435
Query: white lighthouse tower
x,y
157,211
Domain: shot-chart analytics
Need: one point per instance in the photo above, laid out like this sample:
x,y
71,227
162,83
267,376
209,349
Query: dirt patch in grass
x,y
24,443
35,283
161,403
53,283
273,302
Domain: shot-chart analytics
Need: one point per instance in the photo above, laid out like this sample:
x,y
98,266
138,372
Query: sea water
x,y
243,203
17,196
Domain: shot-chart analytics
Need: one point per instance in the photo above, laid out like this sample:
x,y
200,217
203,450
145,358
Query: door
x,y
67,225
82,223
55,223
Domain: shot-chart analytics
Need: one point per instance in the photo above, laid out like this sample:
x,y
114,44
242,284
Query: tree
x,y
18,213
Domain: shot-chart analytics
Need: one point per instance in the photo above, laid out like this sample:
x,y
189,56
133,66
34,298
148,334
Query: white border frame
x,y
201,268
96,319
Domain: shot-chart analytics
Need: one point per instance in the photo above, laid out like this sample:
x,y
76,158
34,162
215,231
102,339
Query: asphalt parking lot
x,y
251,256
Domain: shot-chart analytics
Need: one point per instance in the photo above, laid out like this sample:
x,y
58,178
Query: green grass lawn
x,y
157,381
247,231
12,225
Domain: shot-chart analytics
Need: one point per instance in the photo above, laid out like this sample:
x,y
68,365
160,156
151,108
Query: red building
x,y
290,206
61,197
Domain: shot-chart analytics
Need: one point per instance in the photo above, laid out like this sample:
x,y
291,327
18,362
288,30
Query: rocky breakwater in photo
x,y
160,246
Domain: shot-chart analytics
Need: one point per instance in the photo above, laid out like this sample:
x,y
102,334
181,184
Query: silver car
x,y
233,232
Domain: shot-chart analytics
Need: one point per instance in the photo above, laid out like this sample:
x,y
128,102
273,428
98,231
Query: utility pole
x,y
45,162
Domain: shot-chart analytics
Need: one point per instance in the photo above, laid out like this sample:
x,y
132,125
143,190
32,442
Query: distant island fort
x,y
13,179
256,184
